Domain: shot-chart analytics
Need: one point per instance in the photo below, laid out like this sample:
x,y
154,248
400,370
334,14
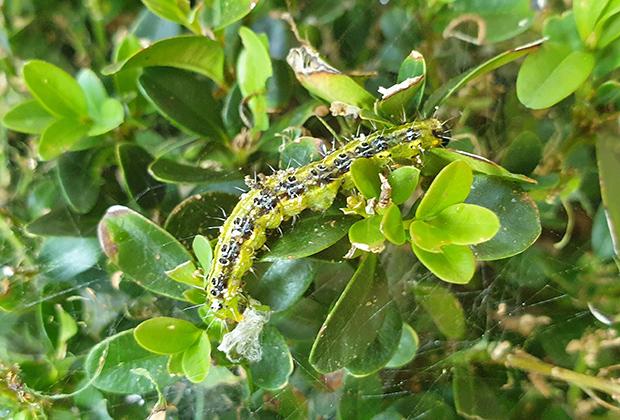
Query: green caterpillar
x,y
286,193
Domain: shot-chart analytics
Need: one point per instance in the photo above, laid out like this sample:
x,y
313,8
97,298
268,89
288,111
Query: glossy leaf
x,y
443,307
111,362
309,236
169,170
222,13
608,158
55,90
253,70
27,117
194,53
202,249
454,263
356,325
358,399
143,250
197,359
403,181
175,10
109,116
459,224
523,154
398,99
165,335
475,397
407,348
185,273
283,284
551,74
59,137
586,14
518,217
138,183
365,175
185,99
451,186
276,364
392,225
366,234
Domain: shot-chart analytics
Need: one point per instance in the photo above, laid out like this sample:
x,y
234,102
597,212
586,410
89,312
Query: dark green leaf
x,y
168,170
407,348
276,363
80,179
475,397
523,154
608,158
139,184
185,99
360,398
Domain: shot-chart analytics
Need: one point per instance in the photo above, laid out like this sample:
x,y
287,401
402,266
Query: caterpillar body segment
x,y
286,193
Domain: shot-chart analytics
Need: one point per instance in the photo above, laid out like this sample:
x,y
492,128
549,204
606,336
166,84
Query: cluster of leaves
x,y
148,148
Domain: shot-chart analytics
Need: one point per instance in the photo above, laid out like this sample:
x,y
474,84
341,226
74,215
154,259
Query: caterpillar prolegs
x,y
286,193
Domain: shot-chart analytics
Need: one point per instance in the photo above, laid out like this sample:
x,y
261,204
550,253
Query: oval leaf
x,y
403,181
202,248
366,234
28,117
365,175
165,335
276,363
59,137
454,263
392,225
197,359
451,186
443,307
407,348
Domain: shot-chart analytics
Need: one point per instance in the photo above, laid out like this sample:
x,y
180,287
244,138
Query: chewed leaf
x,y
366,234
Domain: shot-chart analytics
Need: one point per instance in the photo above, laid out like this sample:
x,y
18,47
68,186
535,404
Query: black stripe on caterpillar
x,y
286,193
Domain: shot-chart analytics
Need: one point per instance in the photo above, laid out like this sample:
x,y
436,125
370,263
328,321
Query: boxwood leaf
x,y
185,99
358,399
143,250
365,175
276,364
184,273
459,224
523,154
407,348
60,136
112,360
355,323
202,249
609,163
551,74
194,53
366,234
518,217
165,335
222,13
451,186
27,117
176,11
392,225
80,178
197,359
454,263
138,183
403,181
55,90
443,307
109,116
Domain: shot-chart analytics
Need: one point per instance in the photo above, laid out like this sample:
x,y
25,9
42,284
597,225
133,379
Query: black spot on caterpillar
x,y
287,193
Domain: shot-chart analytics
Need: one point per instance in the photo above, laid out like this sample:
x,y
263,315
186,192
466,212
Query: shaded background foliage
x,y
171,132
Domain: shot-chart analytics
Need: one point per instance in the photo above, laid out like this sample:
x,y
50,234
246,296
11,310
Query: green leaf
x,y
610,33
185,273
222,13
407,348
202,248
55,90
300,152
443,93
27,117
309,236
110,115
398,100
165,335
412,66
111,362
59,137
359,398
451,186
284,282
80,178
608,160
518,217
185,99
171,171
365,175
194,53
454,263
324,81
440,157
354,328
174,10
475,397
93,89
366,234
197,359
253,70
392,225
587,13
143,250
459,224
403,181
62,258
523,154
443,307
137,182
272,371
551,74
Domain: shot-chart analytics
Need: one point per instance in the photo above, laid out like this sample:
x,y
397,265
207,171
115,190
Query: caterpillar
x,y
286,193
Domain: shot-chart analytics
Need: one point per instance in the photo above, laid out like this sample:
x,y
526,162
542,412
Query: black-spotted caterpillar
x,y
287,193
